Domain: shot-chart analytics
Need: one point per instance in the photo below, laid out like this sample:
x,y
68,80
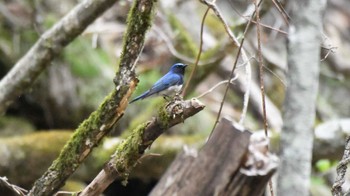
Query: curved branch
x,y
51,43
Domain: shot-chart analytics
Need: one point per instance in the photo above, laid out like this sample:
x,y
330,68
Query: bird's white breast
x,y
171,91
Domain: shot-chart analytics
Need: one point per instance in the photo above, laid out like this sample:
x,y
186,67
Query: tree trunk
x,y
299,105
224,166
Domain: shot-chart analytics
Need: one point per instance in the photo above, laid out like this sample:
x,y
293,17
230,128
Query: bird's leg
x,y
176,108
166,97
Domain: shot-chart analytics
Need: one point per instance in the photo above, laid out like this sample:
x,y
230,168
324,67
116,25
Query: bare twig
x,y
282,11
329,51
176,53
341,170
51,43
261,24
261,77
248,76
14,189
261,68
170,46
217,85
213,6
199,53
274,74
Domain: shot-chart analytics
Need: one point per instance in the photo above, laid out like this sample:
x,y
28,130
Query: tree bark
x,y
225,166
304,40
89,134
131,150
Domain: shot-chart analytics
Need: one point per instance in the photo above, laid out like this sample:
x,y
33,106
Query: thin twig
x,y
199,53
213,6
261,24
282,11
170,46
176,53
261,77
329,51
217,85
248,78
261,68
13,188
274,74
68,193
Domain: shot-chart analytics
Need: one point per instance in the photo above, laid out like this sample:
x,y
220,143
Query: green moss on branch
x,y
132,149
91,131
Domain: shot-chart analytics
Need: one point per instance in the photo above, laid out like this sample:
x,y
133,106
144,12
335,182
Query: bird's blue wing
x,y
168,80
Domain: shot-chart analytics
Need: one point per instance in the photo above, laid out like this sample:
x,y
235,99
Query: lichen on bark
x,y
91,131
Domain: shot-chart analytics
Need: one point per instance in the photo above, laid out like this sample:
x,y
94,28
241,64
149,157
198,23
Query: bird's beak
x,y
185,65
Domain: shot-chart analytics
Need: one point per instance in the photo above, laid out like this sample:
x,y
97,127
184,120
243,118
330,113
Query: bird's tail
x,y
144,95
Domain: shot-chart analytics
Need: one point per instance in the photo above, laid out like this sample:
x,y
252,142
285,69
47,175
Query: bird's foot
x,y
172,100
176,106
178,97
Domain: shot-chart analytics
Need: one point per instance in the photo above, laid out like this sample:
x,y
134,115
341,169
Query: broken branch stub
x,y
233,162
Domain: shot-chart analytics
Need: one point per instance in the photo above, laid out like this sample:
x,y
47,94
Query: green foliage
x,y
215,25
323,165
85,61
14,126
185,42
73,186
317,180
31,154
49,20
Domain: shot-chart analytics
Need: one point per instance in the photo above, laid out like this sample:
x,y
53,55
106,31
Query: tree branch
x,y
131,150
91,131
50,44
341,170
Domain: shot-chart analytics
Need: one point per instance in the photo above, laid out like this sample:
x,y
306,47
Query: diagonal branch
x,y
131,150
50,44
199,53
241,53
92,130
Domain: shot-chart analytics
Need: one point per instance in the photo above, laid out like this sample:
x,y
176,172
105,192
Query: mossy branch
x,y
92,130
50,44
131,150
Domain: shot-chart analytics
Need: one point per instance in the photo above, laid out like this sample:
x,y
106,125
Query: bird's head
x,y
178,68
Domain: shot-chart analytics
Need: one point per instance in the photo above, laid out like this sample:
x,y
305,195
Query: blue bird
x,y
168,85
